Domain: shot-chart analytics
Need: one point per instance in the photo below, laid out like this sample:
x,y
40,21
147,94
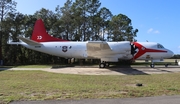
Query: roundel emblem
x,y
64,48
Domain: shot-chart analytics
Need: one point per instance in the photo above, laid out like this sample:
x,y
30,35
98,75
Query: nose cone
x,y
169,54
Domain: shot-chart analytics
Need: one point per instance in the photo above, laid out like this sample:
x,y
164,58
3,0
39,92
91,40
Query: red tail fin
x,y
40,34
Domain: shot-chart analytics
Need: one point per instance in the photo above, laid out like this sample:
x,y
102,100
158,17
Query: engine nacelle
x,y
122,47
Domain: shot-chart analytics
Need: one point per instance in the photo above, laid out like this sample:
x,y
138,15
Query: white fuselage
x,y
79,50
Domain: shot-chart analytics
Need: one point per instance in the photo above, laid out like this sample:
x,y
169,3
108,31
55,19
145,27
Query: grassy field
x,y
40,85
33,66
165,60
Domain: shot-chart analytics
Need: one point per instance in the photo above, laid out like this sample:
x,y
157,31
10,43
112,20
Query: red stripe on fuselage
x,y
143,50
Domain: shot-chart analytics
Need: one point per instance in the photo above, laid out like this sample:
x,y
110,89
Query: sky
x,y
156,20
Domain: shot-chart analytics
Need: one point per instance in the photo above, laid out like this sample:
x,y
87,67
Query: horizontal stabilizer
x,y
14,43
28,41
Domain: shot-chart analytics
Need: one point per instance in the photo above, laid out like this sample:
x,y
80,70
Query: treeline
x,y
81,20
176,56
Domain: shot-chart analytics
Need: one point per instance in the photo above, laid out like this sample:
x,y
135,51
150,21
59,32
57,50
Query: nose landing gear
x,y
152,65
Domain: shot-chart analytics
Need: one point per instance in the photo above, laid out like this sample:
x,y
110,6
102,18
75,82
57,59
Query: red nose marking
x,y
143,50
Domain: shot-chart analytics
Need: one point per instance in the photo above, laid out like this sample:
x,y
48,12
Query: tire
x,y
152,65
102,65
166,65
106,64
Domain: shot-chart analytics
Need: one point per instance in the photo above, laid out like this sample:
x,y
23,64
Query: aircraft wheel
x,y
107,64
166,65
152,65
102,65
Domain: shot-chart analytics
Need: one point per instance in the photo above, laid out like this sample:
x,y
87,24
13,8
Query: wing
x,y
28,41
97,49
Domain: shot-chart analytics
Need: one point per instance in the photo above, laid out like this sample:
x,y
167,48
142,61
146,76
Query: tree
x,y
6,6
77,20
105,16
122,28
67,20
13,27
85,13
92,10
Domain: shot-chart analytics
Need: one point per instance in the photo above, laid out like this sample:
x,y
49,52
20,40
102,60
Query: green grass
x,y
33,66
40,85
166,61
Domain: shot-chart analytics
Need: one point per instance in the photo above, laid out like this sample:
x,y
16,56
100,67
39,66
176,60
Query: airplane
x,y
105,51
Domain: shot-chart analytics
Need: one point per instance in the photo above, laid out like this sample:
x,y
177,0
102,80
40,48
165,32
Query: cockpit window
x,y
160,46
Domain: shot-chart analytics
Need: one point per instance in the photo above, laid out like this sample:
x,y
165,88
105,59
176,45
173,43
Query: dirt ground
x,y
107,71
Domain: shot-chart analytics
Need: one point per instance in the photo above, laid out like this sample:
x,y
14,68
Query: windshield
x,y
160,46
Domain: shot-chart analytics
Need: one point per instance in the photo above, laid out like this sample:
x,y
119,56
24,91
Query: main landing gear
x,y
152,65
103,64
166,65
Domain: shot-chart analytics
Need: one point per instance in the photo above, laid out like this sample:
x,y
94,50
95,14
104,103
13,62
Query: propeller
x,y
133,49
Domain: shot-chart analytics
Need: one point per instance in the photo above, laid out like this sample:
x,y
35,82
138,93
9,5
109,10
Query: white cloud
x,y
156,32
151,30
179,49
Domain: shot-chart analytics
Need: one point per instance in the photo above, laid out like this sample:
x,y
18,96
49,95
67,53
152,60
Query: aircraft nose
x,y
170,54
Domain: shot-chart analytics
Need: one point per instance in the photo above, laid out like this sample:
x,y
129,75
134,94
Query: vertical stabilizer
x,y
40,35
